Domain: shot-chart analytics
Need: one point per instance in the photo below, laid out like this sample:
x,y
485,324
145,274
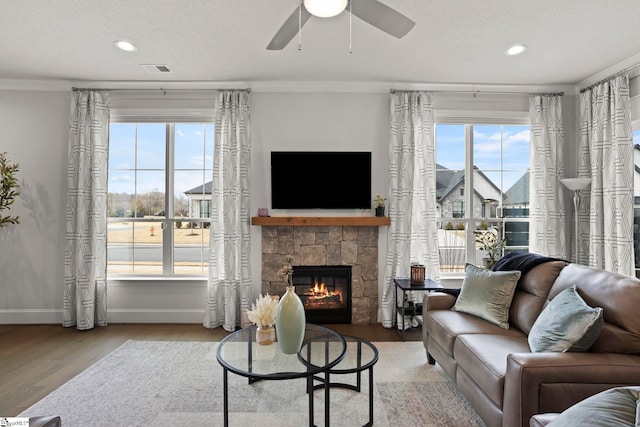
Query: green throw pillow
x,y
487,294
567,323
616,407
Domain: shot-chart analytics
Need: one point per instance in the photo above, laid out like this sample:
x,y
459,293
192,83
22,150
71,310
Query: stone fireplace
x,y
330,245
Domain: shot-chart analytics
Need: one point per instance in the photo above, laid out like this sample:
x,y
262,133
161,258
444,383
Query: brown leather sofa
x,y
494,367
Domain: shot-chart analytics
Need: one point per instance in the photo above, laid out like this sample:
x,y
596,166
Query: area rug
x,y
179,383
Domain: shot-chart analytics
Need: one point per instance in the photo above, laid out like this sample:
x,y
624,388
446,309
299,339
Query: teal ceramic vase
x,y
290,322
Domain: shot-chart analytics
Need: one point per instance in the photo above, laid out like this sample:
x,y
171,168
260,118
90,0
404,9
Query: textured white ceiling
x,y
453,42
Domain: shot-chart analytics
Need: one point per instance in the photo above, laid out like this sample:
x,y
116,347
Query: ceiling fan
x,y
373,12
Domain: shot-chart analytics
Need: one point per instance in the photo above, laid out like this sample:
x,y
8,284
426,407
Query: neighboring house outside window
x,y
199,201
481,171
152,228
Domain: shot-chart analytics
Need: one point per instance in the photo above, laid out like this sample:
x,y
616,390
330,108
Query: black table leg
x,y
225,398
310,393
370,423
327,387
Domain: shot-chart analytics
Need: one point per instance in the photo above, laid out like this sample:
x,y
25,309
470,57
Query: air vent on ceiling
x,y
152,68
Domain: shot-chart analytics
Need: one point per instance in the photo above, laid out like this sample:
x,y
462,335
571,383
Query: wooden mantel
x,y
349,221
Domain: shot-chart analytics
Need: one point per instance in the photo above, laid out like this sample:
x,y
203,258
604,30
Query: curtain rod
x,y
155,89
478,92
613,76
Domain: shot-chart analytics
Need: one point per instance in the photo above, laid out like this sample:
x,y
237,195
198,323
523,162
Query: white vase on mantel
x,y
290,322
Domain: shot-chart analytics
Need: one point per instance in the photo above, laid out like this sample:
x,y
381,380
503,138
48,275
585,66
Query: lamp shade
x,y
575,184
325,8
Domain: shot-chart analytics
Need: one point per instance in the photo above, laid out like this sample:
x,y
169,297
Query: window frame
x,y
487,118
168,223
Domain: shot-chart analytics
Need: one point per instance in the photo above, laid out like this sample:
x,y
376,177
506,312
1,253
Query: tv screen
x,y
320,180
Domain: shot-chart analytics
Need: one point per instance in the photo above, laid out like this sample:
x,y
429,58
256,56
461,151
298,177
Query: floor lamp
x,y
576,185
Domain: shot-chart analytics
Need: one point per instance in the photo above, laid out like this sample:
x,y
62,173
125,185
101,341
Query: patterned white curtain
x,y
413,234
547,210
229,285
606,156
85,287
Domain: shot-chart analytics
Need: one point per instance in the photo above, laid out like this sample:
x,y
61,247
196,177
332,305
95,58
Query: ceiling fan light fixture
x,y
516,49
325,8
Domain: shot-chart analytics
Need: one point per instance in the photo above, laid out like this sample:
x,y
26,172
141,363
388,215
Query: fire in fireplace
x,y
325,292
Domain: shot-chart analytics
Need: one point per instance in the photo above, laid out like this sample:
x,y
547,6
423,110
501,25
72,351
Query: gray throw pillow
x,y
567,323
487,294
616,407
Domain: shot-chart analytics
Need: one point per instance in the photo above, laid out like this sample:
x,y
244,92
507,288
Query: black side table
x,y
404,285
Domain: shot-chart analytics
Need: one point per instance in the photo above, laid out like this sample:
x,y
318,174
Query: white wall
x,y
35,128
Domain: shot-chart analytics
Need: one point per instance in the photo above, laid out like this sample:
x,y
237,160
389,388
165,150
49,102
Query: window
x,y
205,209
159,198
458,208
482,183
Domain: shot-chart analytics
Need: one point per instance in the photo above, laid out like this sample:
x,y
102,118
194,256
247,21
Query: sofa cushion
x,y
567,323
444,326
615,407
487,294
484,359
531,294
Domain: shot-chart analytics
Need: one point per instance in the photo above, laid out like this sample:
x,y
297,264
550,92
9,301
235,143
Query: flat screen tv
x,y
320,180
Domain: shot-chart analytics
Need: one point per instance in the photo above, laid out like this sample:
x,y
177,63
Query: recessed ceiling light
x,y
125,45
516,50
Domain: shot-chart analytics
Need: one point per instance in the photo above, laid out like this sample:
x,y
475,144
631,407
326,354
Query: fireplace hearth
x,y
325,291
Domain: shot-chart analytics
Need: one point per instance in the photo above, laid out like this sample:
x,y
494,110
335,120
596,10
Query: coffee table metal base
x,y
326,386
363,362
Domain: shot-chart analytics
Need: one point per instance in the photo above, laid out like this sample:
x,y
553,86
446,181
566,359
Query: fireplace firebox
x,y
325,292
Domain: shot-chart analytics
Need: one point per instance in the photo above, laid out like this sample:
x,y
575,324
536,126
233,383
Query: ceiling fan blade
x,y
289,29
382,16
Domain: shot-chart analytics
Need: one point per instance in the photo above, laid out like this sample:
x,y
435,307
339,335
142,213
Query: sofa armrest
x,y
552,382
434,301
437,301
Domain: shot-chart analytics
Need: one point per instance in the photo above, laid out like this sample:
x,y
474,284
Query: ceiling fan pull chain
x,y
300,27
350,25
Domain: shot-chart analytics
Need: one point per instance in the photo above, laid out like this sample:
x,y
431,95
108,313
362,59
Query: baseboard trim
x,y
30,316
155,316
42,316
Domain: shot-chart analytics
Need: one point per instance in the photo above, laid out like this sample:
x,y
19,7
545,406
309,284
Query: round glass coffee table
x,y
322,349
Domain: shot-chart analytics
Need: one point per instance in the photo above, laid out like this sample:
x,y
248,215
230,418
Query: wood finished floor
x,y
37,359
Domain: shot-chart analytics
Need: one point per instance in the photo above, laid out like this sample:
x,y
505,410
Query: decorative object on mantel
x,y
8,188
417,274
491,242
263,212
263,314
379,202
290,318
